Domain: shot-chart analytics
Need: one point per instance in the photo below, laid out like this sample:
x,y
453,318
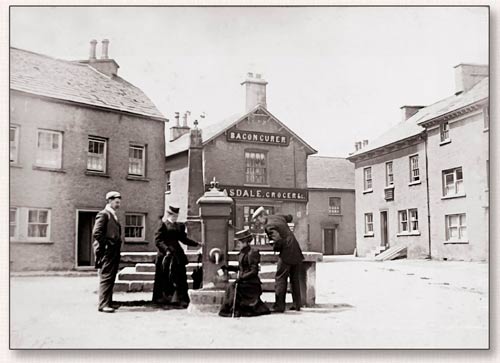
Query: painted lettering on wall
x,y
292,195
257,137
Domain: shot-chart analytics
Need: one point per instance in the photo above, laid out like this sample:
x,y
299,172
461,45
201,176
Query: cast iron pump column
x,y
215,211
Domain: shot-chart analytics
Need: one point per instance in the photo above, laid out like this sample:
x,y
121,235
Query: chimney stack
x,y
105,45
357,146
93,44
104,65
409,111
255,91
468,75
177,131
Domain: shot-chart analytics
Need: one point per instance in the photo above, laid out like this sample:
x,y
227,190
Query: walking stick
x,y
235,292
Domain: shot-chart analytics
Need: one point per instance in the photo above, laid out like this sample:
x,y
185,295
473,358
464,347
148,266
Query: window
x,y
367,172
14,144
453,182
368,223
334,206
96,156
444,131
414,170
49,149
408,220
486,112
168,185
13,223
456,228
136,158
389,176
256,170
38,224
135,227
260,237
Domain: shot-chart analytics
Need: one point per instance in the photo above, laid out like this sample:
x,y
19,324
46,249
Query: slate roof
x,y
412,127
212,131
329,172
77,82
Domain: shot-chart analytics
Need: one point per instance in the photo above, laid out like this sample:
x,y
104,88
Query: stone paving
x,y
360,304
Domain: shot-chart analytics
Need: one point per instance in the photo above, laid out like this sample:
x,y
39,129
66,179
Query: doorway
x,y
384,241
84,252
329,239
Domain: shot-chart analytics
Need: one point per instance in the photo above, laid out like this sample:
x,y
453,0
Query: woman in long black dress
x,y
247,286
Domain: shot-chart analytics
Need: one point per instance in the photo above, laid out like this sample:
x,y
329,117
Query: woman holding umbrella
x,y
242,298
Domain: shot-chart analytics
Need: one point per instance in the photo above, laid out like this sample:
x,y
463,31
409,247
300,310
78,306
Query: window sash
x,y
136,160
168,185
456,227
367,178
49,149
38,224
135,227
334,206
260,237
13,144
389,174
96,155
13,223
368,223
255,167
453,182
414,169
445,131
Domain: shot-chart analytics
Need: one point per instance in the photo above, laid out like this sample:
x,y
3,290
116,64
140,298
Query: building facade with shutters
x,y
418,189
74,136
331,207
253,156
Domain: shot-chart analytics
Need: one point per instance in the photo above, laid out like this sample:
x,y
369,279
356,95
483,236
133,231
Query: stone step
x,y
130,273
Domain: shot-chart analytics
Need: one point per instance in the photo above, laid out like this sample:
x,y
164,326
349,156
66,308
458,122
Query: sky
x,y
336,75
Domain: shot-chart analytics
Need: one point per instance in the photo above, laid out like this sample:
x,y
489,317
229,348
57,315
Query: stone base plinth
x,y
206,301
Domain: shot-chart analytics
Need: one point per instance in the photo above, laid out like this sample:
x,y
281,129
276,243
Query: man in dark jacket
x,y
170,286
290,257
108,239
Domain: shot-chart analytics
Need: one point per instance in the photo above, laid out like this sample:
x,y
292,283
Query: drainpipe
x,y
424,135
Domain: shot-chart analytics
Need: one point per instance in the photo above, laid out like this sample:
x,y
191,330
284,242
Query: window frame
x,y
366,180
144,151
333,209
414,180
459,227
410,221
38,161
368,224
15,160
266,168
259,234
105,154
455,183
168,181
49,225
15,237
135,239
444,132
387,174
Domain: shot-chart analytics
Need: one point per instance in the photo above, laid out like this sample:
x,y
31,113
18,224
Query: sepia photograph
x,y
249,177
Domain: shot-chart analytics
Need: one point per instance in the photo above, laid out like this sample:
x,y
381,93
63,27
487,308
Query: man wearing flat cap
x,y
170,286
107,234
290,256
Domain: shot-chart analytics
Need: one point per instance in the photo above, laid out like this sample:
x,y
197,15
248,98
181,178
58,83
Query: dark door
x,y
86,222
383,225
329,238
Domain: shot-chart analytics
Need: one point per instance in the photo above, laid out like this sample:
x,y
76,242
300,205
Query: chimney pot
x,y
250,75
258,75
365,142
105,45
93,43
177,119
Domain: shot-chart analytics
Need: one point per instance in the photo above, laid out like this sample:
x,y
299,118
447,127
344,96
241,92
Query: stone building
x,y
254,156
78,130
331,211
410,182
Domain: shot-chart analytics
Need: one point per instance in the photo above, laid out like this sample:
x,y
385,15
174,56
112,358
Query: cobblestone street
x,y
360,304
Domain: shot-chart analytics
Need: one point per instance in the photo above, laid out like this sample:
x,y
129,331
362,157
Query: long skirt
x,y
248,302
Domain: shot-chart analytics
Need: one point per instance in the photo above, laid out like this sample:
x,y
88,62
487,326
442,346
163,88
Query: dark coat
x,y
107,235
287,246
167,239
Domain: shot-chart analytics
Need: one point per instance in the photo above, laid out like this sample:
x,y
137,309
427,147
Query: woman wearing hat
x,y
170,286
244,294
